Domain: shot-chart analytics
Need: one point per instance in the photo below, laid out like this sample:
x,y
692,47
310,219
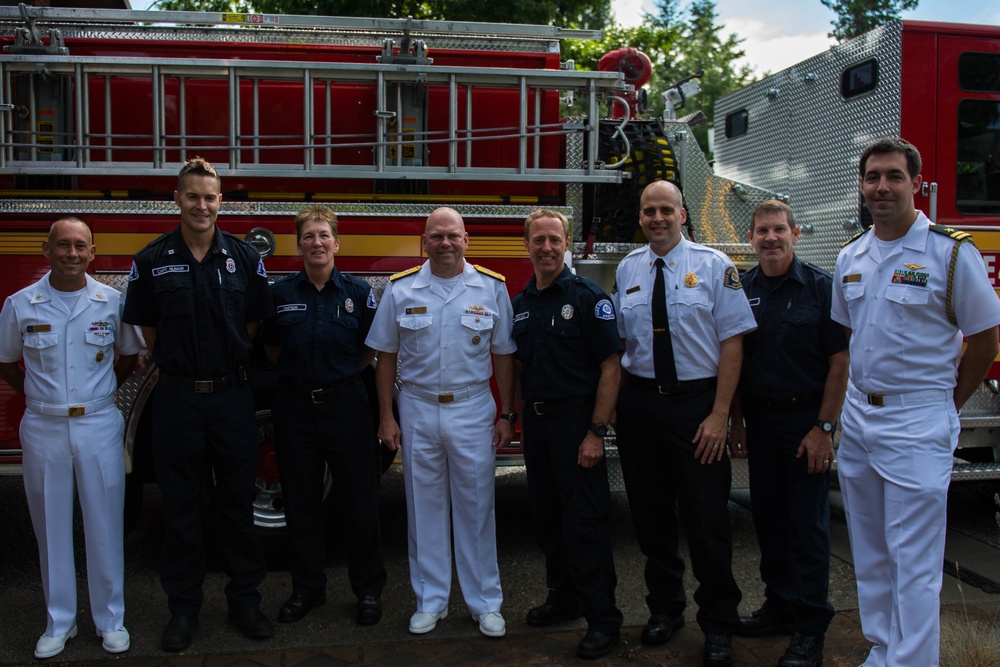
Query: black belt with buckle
x,y
682,386
209,386
791,401
323,395
542,408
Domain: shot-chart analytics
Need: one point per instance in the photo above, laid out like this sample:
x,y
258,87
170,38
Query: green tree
x,y
855,17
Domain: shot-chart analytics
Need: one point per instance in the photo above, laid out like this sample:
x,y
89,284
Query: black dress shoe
x,y
548,613
177,634
660,628
250,621
763,623
718,651
803,651
596,644
297,606
369,610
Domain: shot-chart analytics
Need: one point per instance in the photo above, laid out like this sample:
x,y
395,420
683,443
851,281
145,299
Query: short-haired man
x,y
682,314
68,330
791,390
441,321
907,292
321,416
568,351
199,295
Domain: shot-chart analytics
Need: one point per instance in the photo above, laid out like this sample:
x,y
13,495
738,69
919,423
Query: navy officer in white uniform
x,y
443,321
907,291
67,328
682,315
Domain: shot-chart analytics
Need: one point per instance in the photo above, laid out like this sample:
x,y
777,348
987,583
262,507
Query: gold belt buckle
x,y
878,400
77,411
204,386
446,398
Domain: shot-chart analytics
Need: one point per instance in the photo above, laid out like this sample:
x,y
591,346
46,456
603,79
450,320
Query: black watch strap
x,y
509,416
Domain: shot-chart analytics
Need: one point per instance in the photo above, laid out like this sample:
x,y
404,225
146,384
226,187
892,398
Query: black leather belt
x,y
542,408
791,401
682,386
321,395
207,386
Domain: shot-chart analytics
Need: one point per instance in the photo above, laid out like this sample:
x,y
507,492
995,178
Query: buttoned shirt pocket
x,y
291,326
637,316
692,306
345,334
415,333
99,348
43,350
231,294
173,294
798,324
901,304
476,333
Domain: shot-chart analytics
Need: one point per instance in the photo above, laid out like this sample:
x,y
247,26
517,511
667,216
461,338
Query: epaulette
x,y
403,274
853,238
491,274
953,233
590,285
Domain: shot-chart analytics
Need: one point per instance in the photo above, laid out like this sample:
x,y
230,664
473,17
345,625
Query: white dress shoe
x,y
425,621
492,624
48,646
115,642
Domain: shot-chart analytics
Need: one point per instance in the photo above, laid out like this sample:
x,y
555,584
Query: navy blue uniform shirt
x,y
563,333
321,333
788,354
200,309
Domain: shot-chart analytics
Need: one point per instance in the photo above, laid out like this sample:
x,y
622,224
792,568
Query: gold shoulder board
x,y
853,238
403,274
491,274
953,233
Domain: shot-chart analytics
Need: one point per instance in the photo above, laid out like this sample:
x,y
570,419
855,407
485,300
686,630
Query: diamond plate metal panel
x,y
804,139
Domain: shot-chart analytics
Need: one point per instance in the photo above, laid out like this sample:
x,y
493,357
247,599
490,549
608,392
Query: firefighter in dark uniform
x,y
568,349
199,294
791,390
321,415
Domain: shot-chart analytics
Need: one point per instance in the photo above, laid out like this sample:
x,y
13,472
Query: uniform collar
x,y
303,279
914,239
672,256
562,281
469,276
176,242
796,271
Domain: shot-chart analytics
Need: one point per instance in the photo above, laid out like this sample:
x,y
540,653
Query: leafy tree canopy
x,y
855,17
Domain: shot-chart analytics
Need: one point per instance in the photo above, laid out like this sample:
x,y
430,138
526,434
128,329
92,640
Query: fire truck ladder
x,y
38,81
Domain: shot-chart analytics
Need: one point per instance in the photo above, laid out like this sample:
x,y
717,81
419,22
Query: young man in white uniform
x,y
67,328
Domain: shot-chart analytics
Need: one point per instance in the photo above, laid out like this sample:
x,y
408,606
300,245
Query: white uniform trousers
x,y
85,452
894,468
448,473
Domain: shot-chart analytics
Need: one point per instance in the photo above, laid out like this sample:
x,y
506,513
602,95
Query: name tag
x,y
416,310
172,268
290,308
853,278
521,316
632,290
39,328
754,301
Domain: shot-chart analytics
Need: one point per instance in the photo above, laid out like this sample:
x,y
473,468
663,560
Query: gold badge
x,y
690,280
100,356
475,340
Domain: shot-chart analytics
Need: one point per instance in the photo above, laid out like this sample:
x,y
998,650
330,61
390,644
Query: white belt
x,y
69,410
911,398
453,396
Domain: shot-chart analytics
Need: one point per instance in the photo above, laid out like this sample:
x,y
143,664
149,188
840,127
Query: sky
x,y
780,33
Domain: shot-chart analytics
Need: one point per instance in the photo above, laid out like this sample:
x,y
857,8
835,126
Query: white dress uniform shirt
x,y
72,438
444,340
901,338
701,308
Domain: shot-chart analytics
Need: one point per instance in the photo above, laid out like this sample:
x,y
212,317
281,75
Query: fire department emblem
x,y
349,305
567,312
690,280
230,265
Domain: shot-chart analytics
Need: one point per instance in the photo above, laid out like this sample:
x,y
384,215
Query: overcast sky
x,y
780,33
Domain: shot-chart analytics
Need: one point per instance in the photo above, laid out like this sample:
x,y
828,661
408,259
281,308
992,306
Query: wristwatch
x,y
826,427
509,416
600,430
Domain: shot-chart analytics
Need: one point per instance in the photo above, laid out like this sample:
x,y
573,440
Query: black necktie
x,y
663,348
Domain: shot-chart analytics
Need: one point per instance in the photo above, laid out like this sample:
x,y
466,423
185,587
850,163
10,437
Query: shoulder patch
x,y
604,310
260,268
491,274
953,233
134,273
732,279
403,274
855,238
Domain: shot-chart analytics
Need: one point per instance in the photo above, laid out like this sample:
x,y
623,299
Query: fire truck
x,y
386,119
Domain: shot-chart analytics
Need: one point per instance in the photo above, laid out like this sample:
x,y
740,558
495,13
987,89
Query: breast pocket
x,y
231,294
691,307
345,334
415,333
173,295
901,305
797,326
99,348
290,325
477,330
636,315
43,351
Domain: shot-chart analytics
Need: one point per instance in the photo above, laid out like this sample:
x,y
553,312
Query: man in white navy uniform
x,y
682,318
906,311
443,321
67,328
